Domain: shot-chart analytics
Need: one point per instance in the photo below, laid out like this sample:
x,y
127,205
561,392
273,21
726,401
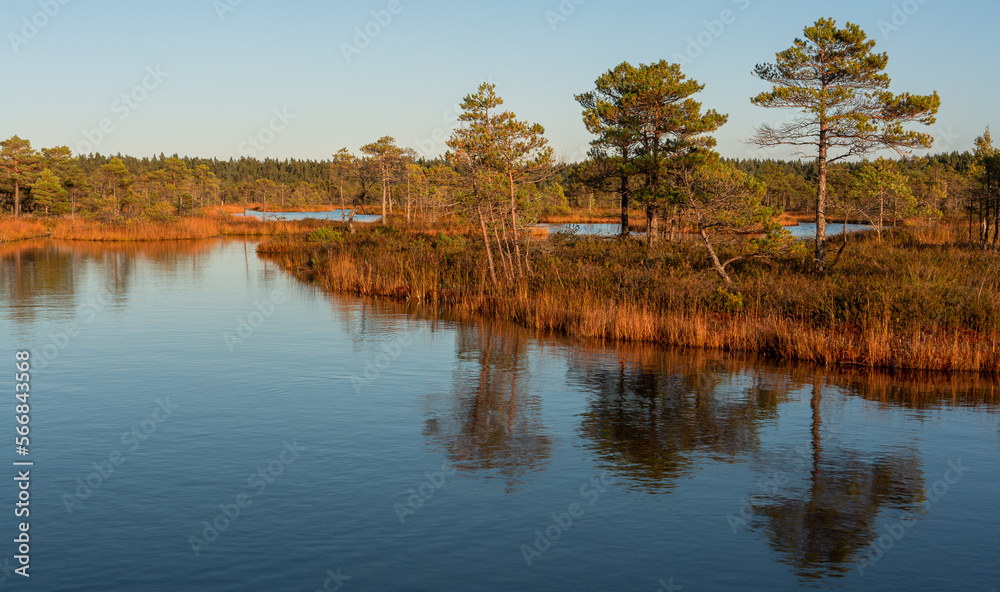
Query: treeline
x,y
951,182
52,181
945,180
653,151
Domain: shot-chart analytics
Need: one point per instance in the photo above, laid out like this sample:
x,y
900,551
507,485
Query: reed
x,y
902,304
12,229
597,216
181,229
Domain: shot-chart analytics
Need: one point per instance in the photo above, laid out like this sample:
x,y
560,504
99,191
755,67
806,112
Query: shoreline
x,y
772,315
190,228
586,288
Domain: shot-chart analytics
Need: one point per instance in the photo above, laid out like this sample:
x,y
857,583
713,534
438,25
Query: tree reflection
x,y
821,525
653,412
36,273
656,416
922,390
491,421
33,273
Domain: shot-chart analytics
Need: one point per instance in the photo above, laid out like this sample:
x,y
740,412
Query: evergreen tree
x,y
837,81
49,194
18,163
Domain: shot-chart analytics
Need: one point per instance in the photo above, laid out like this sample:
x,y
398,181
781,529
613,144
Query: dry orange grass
x,y
222,209
795,218
858,317
182,229
12,229
598,216
612,321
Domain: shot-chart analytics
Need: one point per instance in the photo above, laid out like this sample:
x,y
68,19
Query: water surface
x,y
801,231
411,451
336,215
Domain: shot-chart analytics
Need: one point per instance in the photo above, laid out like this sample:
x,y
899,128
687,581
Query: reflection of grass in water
x,y
909,302
181,229
156,250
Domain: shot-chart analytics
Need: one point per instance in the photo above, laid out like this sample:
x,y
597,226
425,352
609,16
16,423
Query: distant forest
x,y
122,186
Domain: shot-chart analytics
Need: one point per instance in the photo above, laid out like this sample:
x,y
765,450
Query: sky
x,y
304,78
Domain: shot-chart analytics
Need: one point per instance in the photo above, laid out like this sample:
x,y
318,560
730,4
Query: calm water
x,y
406,451
802,231
336,215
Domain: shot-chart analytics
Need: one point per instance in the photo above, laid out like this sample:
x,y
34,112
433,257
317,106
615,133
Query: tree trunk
x,y
623,191
821,201
881,214
486,242
350,219
652,226
716,264
17,198
996,220
504,254
513,221
343,208
385,185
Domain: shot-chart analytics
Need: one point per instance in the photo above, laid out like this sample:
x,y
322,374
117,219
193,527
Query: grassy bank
x,y
915,301
13,229
182,229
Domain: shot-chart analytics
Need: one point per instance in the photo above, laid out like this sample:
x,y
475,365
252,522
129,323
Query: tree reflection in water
x,y
491,421
656,416
36,271
821,524
654,412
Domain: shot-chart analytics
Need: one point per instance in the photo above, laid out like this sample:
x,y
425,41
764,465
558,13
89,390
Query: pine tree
x,y
645,121
49,194
18,163
387,155
837,81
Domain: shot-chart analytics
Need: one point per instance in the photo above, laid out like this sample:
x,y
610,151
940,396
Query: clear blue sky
x,y
224,74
